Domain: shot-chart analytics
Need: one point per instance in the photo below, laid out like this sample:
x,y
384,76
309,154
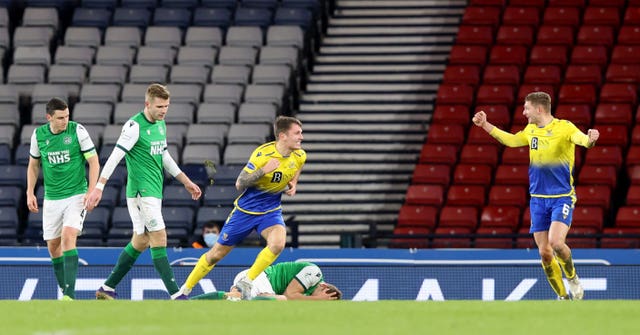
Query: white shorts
x,y
68,212
260,285
145,212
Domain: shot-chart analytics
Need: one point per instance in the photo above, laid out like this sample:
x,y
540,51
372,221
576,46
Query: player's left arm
x,y
587,140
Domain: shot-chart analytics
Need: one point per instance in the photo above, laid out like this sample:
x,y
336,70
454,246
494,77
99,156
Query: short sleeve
x,y
309,276
86,143
129,135
34,151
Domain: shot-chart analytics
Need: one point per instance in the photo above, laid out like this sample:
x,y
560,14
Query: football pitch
x,y
44,317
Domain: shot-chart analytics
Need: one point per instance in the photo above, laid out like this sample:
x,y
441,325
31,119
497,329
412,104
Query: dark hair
x,y
211,224
333,289
157,91
283,123
56,104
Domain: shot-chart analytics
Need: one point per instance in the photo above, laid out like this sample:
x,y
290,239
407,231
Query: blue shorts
x,y
546,210
240,224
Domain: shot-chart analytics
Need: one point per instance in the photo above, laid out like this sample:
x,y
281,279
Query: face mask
x,y
210,239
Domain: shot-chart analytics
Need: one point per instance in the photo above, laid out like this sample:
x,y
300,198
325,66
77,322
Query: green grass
x,y
42,317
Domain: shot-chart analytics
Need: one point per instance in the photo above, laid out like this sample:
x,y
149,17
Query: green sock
x,y
70,272
58,269
128,256
216,295
162,266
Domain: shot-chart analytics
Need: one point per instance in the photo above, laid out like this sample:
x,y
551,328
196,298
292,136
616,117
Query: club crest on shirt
x,y
160,130
67,140
148,131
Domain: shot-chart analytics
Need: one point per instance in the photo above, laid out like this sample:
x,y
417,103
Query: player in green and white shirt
x,y
283,281
143,143
62,147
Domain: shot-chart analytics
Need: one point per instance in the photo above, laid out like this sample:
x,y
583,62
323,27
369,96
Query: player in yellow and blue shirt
x,y
551,144
273,169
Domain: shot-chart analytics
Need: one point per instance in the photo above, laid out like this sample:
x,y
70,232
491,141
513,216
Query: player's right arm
x,y
508,139
247,179
33,170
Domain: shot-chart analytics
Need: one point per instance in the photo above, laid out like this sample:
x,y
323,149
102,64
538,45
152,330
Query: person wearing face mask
x,y
209,236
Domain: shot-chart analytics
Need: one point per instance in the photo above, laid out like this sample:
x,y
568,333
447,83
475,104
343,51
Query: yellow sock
x,y
264,259
567,266
554,276
199,271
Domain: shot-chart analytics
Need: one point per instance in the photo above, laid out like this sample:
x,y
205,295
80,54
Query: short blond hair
x,y
541,99
156,91
283,124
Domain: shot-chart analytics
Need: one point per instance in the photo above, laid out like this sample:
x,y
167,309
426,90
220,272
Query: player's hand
x,y
271,165
292,189
593,134
480,119
32,203
194,190
93,199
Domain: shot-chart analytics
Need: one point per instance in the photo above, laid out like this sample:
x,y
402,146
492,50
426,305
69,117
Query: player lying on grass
x,y
283,281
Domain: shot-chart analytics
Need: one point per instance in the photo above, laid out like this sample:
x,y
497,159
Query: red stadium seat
x,y
634,174
472,174
582,238
501,216
612,113
613,134
408,241
439,154
632,16
608,3
525,89
625,54
594,195
528,16
462,75
590,55
446,134
518,119
619,93
475,35
512,175
635,134
468,55
477,135
497,3
596,35
508,195
583,74
601,16
509,55
526,241
549,55
567,3
598,175
561,16
528,3
526,218
577,94
493,241
623,73
633,196
633,156
579,115
515,156
426,195
629,35
432,174
452,114
455,94
501,75
618,238
495,94
456,216
498,115
555,35
466,195
604,155
485,15
417,216
588,217
515,35
452,238
543,74
628,216
479,154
